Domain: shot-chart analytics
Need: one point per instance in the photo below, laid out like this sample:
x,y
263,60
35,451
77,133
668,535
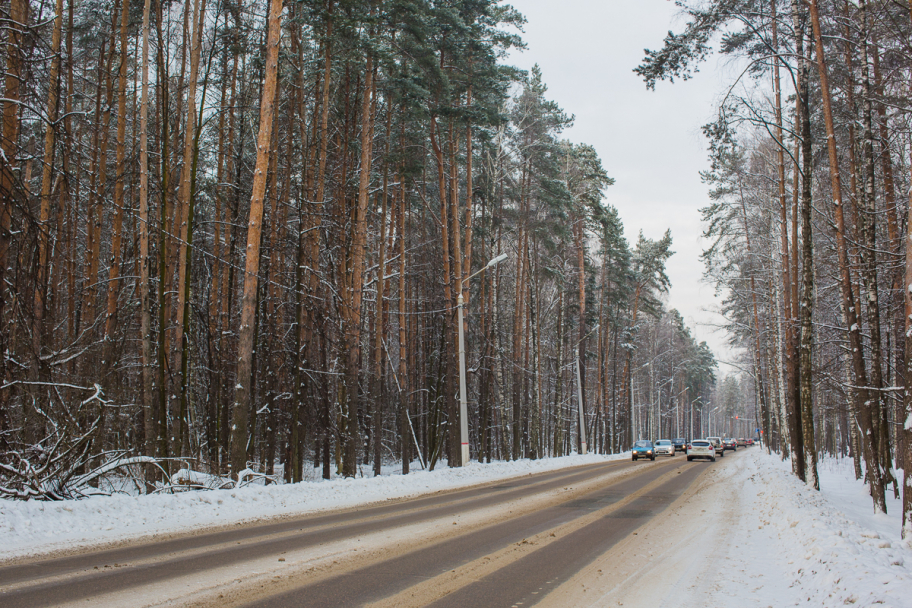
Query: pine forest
x,y
236,237
295,239
808,221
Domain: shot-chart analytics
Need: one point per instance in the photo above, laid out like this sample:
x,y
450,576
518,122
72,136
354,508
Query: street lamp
x,y
692,416
579,399
579,394
713,428
463,407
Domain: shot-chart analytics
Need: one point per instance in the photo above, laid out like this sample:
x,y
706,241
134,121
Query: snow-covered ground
x,y
33,527
838,484
836,550
794,546
769,539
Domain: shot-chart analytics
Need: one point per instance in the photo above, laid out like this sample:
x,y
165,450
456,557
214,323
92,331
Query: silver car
x,y
664,446
718,445
701,448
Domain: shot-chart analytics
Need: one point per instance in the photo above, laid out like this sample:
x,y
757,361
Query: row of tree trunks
x,y
209,295
863,403
906,446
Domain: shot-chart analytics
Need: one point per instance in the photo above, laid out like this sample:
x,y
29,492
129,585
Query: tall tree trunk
x,y
44,236
791,363
404,421
869,263
184,217
9,191
145,314
863,403
163,277
455,410
244,392
317,215
98,183
806,308
119,202
803,152
278,215
757,330
469,217
377,376
447,285
352,301
214,333
896,273
226,291
519,305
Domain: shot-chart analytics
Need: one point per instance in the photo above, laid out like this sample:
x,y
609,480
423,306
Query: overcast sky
x,y
649,141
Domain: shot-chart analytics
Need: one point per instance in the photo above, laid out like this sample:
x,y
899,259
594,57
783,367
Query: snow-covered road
x,y
745,532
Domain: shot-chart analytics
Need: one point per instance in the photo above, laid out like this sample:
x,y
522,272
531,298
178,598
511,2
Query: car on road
x,y
701,448
680,444
664,446
742,442
718,446
643,449
729,444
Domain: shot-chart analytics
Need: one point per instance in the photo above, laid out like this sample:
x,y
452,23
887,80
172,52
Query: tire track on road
x,y
54,581
394,575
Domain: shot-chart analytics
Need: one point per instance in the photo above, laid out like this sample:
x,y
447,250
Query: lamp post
x,y
579,394
579,399
463,406
692,417
713,428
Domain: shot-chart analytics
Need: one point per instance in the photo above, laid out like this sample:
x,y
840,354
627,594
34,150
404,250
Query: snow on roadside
x,y
838,484
835,551
33,527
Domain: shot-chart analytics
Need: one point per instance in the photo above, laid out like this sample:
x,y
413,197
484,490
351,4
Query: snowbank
x,y
35,527
834,549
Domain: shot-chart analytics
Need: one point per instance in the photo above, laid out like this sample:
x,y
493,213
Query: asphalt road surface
x,y
500,544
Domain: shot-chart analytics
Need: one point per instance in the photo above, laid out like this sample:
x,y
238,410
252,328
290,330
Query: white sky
x,y
649,141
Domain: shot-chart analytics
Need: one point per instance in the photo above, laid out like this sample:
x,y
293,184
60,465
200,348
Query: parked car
x,y
643,449
729,443
717,445
680,444
701,448
664,446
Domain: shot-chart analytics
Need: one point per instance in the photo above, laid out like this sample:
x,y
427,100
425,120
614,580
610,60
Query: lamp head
x,y
497,260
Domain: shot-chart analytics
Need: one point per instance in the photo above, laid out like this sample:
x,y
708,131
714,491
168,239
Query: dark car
x,y
730,444
680,444
718,446
643,449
